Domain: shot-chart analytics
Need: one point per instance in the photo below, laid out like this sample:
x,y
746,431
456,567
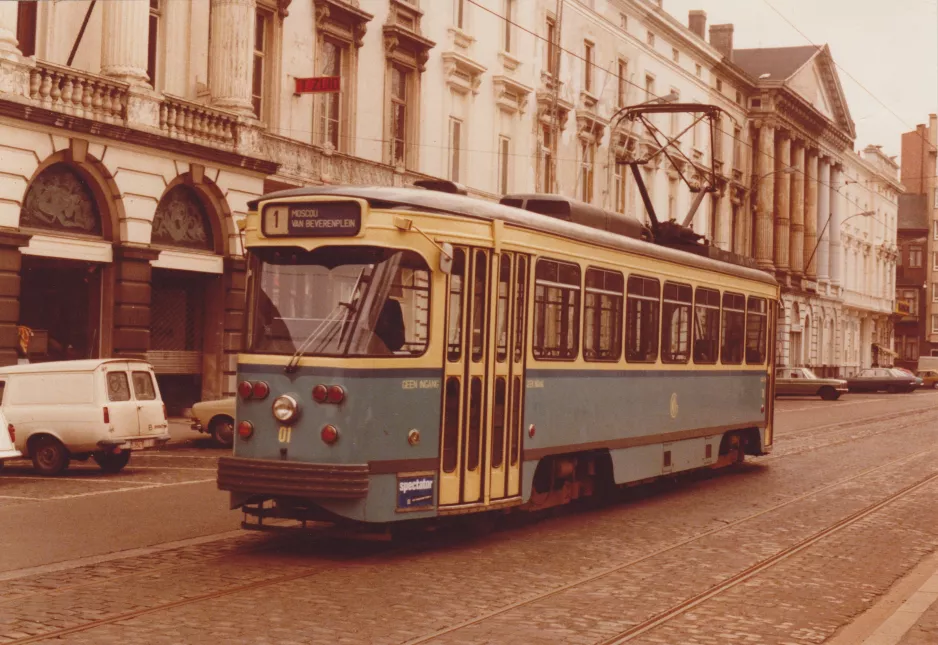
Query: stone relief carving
x,y
181,221
59,199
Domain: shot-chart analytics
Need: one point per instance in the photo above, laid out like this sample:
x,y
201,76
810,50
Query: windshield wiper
x,y
332,321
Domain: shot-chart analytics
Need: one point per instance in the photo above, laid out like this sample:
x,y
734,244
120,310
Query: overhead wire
x,y
846,73
745,143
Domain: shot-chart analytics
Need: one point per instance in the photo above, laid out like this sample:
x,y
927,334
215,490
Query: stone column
x,y
823,215
231,54
132,299
836,250
8,19
176,24
11,261
796,252
764,166
125,36
782,200
810,214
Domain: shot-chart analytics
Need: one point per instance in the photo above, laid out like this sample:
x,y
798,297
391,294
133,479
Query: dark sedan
x,y
881,379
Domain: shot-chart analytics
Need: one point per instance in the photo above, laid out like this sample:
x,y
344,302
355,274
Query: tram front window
x,y
339,301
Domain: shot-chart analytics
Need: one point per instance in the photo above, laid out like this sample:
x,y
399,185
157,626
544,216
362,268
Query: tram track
x,y
651,623
309,572
735,580
852,422
855,432
763,565
268,547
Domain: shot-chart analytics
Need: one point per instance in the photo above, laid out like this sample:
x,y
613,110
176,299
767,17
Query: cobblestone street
x,y
789,548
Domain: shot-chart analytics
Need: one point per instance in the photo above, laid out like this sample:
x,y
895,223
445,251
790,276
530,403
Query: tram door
x,y
483,390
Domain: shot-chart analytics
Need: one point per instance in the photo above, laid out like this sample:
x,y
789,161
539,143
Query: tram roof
x,y
441,202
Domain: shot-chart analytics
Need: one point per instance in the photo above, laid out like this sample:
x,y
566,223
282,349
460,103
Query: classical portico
x,y
804,135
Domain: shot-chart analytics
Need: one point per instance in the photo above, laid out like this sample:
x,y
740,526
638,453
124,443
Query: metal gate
x,y
177,319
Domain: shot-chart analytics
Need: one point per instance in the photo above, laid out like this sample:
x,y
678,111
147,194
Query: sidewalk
x,y
907,615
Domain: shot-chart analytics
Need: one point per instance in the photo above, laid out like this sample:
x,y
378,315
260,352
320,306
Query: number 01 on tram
x,y
412,354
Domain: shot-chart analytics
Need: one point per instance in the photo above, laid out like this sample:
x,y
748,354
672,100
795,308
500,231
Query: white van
x,y
7,438
99,408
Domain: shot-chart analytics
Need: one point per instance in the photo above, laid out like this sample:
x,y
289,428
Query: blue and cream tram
x,y
412,353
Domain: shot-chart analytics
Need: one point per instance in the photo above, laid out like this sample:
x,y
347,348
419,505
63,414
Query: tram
x,y
414,353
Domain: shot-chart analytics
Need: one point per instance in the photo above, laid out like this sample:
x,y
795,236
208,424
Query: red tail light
x,y
245,429
165,415
107,415
336,394
12,432
320,393
261,390
245,389
329,434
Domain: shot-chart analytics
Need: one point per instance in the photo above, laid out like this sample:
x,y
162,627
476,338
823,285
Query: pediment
x,y
818,83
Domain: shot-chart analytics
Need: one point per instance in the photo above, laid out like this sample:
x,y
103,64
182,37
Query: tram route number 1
x,y
284,434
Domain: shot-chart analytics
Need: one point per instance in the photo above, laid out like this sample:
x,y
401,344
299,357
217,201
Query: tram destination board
x,y
321,219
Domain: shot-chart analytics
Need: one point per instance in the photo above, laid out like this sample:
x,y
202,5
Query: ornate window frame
x,y
344,25
406,49
461,73
276,11
510,95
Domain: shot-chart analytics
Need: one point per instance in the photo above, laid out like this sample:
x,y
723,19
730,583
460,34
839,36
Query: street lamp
x,y
824,230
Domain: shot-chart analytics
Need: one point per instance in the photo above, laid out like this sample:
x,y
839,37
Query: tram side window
x,y
734,328
602,322
675,323
706,326
756,327
556,310
643,306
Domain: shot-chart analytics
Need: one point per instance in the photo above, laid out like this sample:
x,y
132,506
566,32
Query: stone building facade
x,y
836,309
133,134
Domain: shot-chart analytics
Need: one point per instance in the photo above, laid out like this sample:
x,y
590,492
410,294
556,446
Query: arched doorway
x,y
182,307
62,271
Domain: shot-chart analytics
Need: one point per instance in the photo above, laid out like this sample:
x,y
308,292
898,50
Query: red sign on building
x,y
317,84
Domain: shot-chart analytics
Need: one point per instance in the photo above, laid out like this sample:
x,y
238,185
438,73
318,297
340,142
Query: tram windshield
x,y
339,301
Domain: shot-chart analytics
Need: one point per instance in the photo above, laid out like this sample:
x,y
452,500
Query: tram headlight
x,y
285,408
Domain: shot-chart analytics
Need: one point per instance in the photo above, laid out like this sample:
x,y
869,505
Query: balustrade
x,y
181,119
73,92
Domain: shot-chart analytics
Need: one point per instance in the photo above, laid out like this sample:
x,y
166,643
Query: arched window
x,y
181,221
60,200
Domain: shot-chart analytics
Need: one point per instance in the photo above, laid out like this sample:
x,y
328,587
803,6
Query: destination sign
x,y
319,219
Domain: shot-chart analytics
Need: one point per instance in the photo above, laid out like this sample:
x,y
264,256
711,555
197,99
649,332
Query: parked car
x,y
801,381
7,438
879,379
929,378
215,418
100,408
919,381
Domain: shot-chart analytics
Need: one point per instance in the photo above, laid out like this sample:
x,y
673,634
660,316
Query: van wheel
x,y
112,462
50,457
222,429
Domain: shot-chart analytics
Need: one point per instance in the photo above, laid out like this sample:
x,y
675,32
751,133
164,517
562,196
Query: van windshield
x,y
339,301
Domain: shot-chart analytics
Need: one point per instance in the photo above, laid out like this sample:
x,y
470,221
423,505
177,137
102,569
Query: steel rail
x,y
634,631
682,543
